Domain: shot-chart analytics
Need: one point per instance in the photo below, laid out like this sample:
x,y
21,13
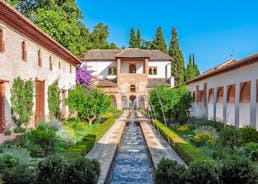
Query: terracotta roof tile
x,y
107,82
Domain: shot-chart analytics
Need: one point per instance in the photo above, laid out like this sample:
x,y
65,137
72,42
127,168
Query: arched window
x,y
2,44
132,68
245,92
24,51
211,95
231,94
39,58
50,63
220,95
132,88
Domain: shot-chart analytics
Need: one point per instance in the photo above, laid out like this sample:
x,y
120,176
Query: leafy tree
x,y
138,39
159,41
178,68
54,100
133,39
146,44
21,101
112,46
175,103
98,38
192,70
88,105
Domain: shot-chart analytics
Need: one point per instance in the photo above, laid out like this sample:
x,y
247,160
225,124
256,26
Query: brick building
x,y
127,75
28,52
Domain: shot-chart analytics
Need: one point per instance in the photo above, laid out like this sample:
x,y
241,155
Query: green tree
x,y
138,39
146,44
113,46
88,105
192,70
133,39
98,38
159,41
54,100
21,101
178,68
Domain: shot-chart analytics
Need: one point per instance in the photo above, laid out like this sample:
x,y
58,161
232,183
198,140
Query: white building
x,y
28,52
228,93
128,74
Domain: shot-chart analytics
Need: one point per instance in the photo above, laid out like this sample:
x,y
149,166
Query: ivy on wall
x,y
21,101
54,100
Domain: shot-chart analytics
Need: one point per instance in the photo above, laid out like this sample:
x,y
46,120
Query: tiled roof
x,y
226,67
16,20
158,82
107,82
99,54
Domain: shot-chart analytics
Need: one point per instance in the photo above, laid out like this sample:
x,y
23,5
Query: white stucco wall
x,y
210,111
219,112
163,69
100,68
12,66
243,74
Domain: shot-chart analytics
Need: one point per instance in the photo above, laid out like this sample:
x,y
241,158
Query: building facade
x,y
29,53
127,75
228,93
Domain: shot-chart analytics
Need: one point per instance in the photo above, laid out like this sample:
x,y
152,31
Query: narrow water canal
x,y
132,163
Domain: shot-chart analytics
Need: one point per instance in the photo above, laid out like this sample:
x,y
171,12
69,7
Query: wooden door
x,y
2,107
40,102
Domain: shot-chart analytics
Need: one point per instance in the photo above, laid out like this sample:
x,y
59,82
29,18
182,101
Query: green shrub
x,y
248,134
8,132
170,172
186,150
202,172
237,170
251,149
203,138
19,130
54,99
229,136
59,170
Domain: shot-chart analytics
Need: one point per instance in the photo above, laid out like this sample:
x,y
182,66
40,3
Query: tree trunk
x,y
91,119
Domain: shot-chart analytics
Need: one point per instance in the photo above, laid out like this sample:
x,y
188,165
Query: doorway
x,y
40,102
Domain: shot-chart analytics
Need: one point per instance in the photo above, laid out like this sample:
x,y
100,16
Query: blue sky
x,y
210,29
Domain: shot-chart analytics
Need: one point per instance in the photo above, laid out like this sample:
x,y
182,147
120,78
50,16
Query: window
x,y
245,92
231,93
112,71
2,45
24,51
39,58
132,88
50,63
70,68
220,93
132,68
152,70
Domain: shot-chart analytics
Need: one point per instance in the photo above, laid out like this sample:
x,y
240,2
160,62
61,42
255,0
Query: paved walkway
x,y
104,151
157,145
4,138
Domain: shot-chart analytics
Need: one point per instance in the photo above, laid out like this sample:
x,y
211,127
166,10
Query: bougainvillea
x,y
83,76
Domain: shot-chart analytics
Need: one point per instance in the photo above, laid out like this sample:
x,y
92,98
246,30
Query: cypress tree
x,y
192,70
138,39
159,41
132,40
177,66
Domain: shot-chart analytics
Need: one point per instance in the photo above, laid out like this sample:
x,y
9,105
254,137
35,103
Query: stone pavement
x,y
104,151
157,145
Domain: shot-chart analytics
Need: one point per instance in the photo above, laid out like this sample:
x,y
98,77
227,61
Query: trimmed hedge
x,y
86,144
187,151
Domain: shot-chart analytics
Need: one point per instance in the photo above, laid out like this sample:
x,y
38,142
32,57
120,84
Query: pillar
x,y
237,98
205,89
225,92
118,68
253,103
146,66
214,102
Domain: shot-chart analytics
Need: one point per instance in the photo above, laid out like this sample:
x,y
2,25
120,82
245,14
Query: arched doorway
x,y
244,104
132,102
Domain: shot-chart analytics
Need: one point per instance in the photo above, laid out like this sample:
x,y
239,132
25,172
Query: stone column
x,y
253,103
214,103
118,68
146,66
205,89
237,98
225,92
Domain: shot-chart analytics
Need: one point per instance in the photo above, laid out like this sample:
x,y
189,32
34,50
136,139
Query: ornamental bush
x,y
54,100
21,101
248,134
203,138
229,136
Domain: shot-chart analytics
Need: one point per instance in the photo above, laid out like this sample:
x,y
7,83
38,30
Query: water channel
x,y
132,163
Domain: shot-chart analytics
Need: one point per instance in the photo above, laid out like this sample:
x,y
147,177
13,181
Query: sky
x,y
214,30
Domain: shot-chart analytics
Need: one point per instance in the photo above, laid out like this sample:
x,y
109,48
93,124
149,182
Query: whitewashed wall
x,y
163,69
100,68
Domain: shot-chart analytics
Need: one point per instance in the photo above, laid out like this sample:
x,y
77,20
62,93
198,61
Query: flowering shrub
x,y
183,128
83,76
211,130
203,138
